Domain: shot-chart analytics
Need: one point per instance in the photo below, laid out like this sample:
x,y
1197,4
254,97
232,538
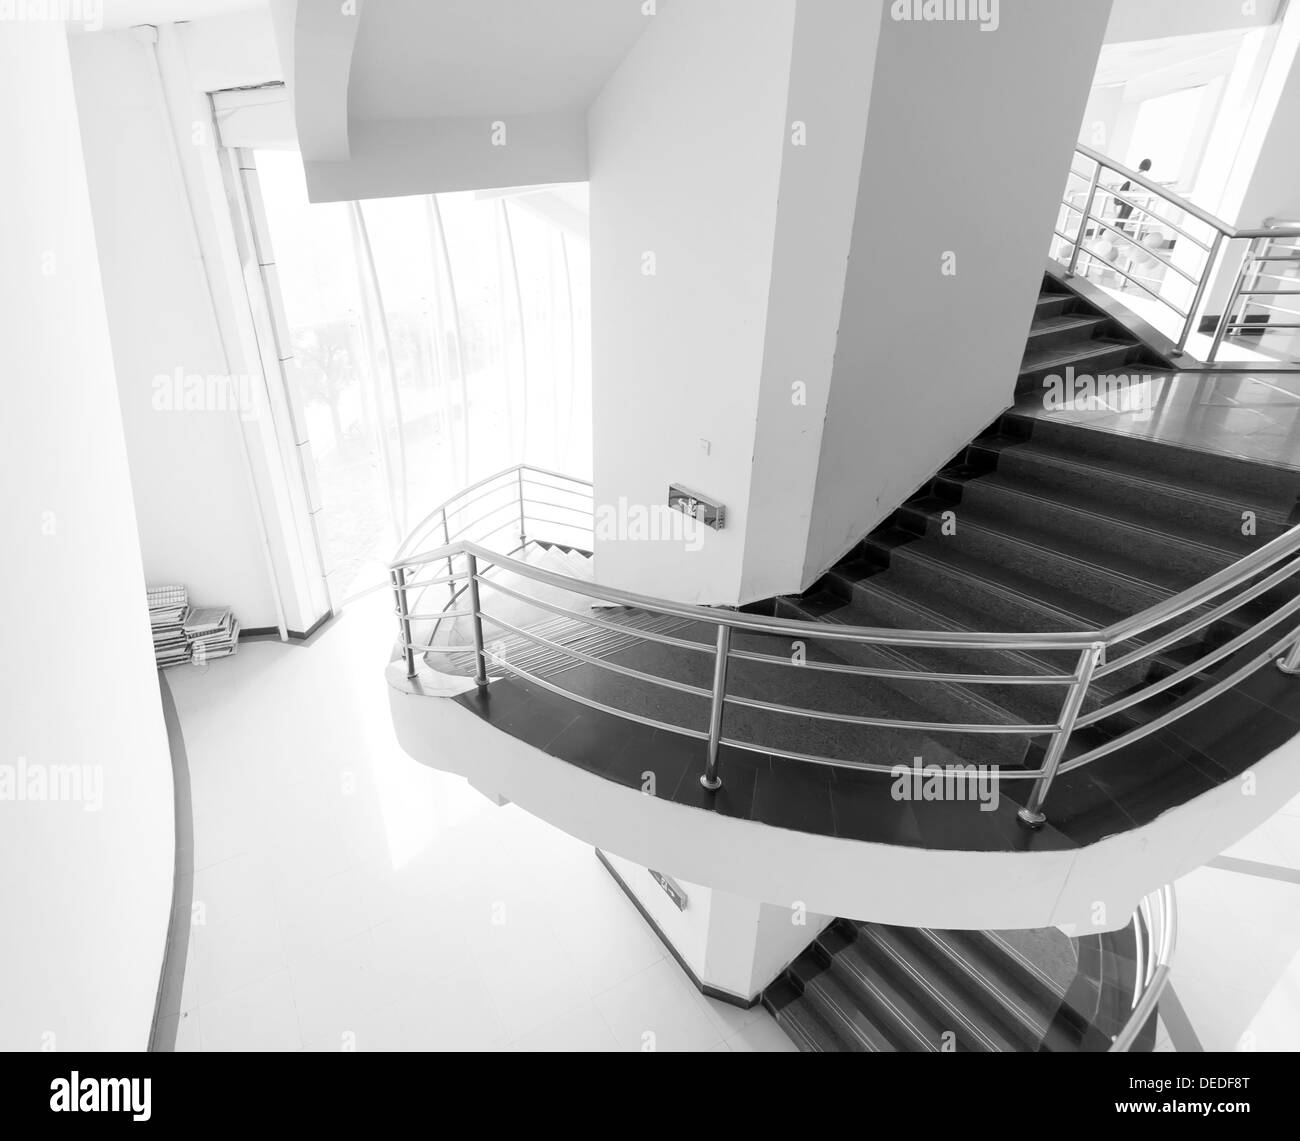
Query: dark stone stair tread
x,y
1056,610
1063,322
800,1020
907,1022
1083,513
1029,704
962,704
975,1029
850,1019
1090,352
1173,461
1025,1006
1149,480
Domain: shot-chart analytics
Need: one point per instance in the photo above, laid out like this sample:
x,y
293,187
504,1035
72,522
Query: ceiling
x,y
416,59
1176,63
118,14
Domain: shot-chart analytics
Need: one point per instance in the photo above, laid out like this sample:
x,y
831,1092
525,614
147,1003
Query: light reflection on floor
x,y
1252,416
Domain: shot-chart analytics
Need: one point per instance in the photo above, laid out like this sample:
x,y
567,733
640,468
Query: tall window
x,y
435,341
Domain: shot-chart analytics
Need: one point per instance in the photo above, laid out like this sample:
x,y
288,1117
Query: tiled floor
x,y
346,897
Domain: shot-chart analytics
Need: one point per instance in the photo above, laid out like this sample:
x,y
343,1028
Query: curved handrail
x,y
464,557
1158,916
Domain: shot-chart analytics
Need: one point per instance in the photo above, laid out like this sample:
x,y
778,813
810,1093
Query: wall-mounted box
x,y
697,506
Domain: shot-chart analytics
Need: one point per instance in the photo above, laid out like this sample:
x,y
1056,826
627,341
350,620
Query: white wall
x,y
969,140
833,60
86,894
200,522
732,943
685,159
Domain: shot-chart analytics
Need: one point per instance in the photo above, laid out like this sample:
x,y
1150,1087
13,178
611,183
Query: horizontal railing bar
x,y
904,675
1207,619
1189,706
819,631
599,663
1156,218
430,648
531,502
424,583
581,488
435,617
886,723
1145,249
1197,667
866,766
533,470
436,513
1257,561
1136,281
1147,184
1260,326
1190,599
604,624
591,703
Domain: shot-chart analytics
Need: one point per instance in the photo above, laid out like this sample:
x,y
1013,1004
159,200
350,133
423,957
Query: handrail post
x,y
1290,663
1230,306
451,570
1083,221
523,535
476,620
1211,264
710,779
403,612
1032,814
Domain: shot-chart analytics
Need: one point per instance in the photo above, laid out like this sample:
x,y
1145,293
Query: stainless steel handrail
x,y
1092,222
1155,925
469,562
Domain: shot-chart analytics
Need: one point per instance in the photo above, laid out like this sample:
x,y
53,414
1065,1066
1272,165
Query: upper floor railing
x,y
484,526
1118,221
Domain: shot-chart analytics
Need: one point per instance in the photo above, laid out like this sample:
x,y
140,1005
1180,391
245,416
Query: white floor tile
x,y
657,1011
261,1017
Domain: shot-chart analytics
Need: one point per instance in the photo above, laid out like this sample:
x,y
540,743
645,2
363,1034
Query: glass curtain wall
x,y
436,340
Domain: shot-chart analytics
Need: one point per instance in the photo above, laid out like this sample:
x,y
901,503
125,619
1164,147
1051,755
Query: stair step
x,y
800,1020
1111,529
889,1007
1048,332
1025,1005
1273,486
945,702
1054,305
1202,507
836,1006
881,600
1101,577
975,1030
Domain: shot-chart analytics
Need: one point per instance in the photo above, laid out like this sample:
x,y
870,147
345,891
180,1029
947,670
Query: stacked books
x,y
168,606
210,632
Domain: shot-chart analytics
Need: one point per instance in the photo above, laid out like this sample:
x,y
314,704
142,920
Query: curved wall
x,y
86,815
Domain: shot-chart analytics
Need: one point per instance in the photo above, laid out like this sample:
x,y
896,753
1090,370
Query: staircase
x,y
1069,332
865,987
